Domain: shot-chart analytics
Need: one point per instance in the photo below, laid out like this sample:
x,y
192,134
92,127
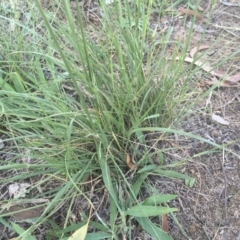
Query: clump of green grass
x,y
109,86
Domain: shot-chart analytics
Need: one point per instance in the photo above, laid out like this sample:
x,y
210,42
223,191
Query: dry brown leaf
x,y
231,80
165,226
130,162
190,12
219,119
25,214
196,49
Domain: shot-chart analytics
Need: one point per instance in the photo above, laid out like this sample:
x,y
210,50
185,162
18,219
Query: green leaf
x,y
113,213
189,182
157,199
5,86
135,189
23,234
149,211
179,132
173,174
107,178
17,82
148,168
152,116
97,236
152,229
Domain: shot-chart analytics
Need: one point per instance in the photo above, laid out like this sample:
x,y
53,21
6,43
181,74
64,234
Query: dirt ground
x,y
210,209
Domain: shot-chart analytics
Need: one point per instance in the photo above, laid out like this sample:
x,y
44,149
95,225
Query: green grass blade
x,y
153,230
107,177
22,233
158,199
97,236
149,211
172,174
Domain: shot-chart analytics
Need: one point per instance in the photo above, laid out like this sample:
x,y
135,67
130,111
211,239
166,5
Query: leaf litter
x,y
228,80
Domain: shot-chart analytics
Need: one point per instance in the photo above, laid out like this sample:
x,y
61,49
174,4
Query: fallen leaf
x,y
130,162
219,119
165,226
25,213
191,12
17,190
80,234
218,73
196,49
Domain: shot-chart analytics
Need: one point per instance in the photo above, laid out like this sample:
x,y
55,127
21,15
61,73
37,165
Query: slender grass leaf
x,y
152,116
107,178
5,86
179,225
23,234
149,211
18,82
101,226
153,230
138,183
157,199
135,189
5,223
172,174
97,236
148,168
189,182
113,212
168,130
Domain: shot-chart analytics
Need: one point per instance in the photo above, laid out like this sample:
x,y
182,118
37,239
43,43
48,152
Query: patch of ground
x,y
210,210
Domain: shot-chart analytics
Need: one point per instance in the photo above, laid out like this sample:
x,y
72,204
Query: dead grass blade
x,y
21,213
